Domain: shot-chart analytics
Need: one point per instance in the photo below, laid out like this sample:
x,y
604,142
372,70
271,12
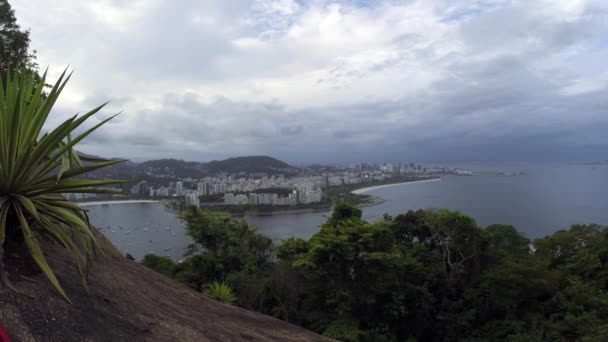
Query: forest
x,y
427,275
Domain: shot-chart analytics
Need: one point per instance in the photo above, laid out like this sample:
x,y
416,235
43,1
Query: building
x,y
179,188
203,189
241,199
229,199
253,199
140,189
192,200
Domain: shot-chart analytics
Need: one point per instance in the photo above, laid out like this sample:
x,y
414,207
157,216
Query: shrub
x,y
36,168
221,292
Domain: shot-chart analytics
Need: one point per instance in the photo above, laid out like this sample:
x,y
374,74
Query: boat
x,y
168,228
168,248
146,229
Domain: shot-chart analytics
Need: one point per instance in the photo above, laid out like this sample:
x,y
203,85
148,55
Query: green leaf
x,y
35,168
34,248
28,205
65,166
3,217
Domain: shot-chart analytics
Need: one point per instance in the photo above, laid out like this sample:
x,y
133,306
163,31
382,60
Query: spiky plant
x,y
221,292
36,168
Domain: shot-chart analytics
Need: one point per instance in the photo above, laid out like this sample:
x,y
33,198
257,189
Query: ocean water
x,y
548,197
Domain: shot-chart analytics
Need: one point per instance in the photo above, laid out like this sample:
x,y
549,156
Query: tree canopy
x,y
14,43
422,275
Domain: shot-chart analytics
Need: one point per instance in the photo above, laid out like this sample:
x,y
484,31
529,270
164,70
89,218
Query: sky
x,y
332,81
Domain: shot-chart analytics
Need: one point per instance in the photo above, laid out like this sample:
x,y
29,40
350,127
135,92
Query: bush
x,y
36,168
221,292
160,264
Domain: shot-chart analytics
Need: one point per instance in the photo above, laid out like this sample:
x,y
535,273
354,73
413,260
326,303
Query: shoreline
x,y
376,187
84,204
282,212
378,200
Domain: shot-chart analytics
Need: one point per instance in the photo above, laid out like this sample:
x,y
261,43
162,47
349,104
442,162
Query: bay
x,y
548,197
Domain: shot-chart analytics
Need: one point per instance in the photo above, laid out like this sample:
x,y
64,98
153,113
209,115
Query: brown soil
x,y
127,302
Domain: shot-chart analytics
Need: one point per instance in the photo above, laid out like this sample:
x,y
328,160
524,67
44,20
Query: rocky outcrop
x,y
127,302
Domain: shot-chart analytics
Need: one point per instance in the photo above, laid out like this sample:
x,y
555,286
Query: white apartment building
x,y
192,199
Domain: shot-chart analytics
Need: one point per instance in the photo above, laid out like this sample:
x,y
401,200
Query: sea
x,y
545,198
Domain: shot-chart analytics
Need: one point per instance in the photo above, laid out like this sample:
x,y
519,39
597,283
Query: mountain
x,y
126,301
252,164
163,170
175,168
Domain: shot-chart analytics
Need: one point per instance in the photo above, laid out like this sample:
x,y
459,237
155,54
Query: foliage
x,y
431,275
224,250
343,331
221,292
14,43
36,168
160,264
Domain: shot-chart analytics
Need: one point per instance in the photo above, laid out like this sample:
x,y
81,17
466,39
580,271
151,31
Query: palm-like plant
x,y
221,292
36,169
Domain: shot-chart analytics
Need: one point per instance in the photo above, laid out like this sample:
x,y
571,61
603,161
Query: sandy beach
x,y
84,204
368,189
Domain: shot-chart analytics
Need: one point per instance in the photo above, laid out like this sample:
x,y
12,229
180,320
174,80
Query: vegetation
x,y
14,43
163,171
36,168
250,164
422,275
221,292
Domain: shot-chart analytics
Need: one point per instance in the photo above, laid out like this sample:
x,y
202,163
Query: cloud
x,y
323,81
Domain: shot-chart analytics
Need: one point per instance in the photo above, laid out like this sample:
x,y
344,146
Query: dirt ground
x,y
127,302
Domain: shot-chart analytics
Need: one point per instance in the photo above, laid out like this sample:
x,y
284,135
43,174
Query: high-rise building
x,y
192,200
203,189
179,188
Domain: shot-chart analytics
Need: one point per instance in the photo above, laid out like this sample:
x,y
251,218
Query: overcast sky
x,y
323,81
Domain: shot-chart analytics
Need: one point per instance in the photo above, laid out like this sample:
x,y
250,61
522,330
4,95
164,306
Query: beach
x,y
84,204
370,188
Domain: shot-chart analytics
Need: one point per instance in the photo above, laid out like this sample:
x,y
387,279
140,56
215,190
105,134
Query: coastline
x,y
281,212
84,204
377,200
370,188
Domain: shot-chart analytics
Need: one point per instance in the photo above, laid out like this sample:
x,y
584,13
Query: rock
x,y
128,302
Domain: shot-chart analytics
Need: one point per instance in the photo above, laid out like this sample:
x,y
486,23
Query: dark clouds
x,y
333,81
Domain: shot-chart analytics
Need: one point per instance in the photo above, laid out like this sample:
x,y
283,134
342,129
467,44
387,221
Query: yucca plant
x,y
221,292
36,168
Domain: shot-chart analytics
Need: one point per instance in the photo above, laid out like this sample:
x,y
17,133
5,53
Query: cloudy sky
x,y
343,81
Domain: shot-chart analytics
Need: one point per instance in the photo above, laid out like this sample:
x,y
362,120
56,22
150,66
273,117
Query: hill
x,y
162,170
127,302
252,164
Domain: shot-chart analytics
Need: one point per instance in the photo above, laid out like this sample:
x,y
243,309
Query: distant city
x,y
262,189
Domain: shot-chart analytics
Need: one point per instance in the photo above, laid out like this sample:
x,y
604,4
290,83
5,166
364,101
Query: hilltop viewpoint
x,y
126,301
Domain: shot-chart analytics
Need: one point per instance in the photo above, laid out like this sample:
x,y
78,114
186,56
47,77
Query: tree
x,y
14,43
160,264
225,250
36,169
